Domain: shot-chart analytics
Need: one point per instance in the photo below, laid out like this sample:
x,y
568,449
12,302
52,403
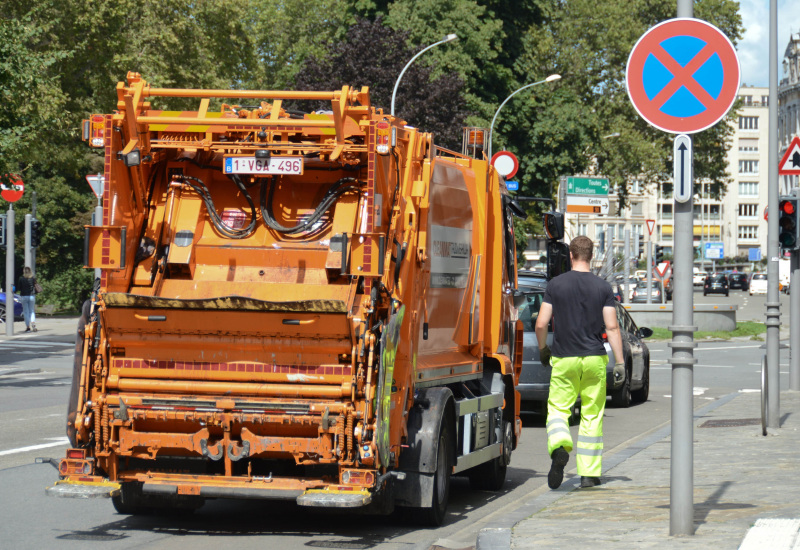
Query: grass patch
x,y
746,328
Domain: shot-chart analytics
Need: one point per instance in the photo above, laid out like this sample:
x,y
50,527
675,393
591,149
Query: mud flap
x,y
389,341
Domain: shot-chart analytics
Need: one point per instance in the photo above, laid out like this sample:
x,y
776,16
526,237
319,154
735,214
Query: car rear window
x,y
760,277
717,278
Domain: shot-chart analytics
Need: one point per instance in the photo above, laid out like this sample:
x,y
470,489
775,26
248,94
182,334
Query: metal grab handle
x,y
301,321
150,317
764,396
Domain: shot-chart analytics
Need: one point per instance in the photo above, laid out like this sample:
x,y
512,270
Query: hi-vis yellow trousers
x,y
570,377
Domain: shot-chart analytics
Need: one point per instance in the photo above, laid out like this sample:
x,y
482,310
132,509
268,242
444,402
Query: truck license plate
x,y
272,165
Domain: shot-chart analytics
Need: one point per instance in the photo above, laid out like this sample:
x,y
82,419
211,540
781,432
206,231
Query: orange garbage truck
x,y
317,307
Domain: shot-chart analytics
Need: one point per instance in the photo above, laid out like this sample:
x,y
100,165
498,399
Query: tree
x,y
432,103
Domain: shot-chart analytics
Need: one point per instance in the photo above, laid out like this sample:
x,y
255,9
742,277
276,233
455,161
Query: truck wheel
x,y
433,515
492,475
129,499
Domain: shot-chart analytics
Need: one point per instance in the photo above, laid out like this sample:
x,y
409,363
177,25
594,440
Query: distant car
x,y
698,277
534,382
758,283
17,307
716,283
738,280
636,388
639,295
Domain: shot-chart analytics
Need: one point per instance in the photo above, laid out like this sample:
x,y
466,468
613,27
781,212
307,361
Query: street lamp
x,y
550,78
447,38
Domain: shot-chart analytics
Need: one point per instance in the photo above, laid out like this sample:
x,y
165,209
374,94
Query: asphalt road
x,y
32,407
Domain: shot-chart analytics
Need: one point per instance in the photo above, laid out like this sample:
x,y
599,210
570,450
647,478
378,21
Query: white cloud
x,y
753,48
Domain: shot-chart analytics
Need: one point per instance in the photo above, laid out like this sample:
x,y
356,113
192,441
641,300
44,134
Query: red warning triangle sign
x,y
790,163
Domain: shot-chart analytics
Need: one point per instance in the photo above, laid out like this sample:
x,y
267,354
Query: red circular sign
x,y
12,192
506,163
683,75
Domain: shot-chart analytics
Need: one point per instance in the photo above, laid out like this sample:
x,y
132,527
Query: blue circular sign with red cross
x,y
683,75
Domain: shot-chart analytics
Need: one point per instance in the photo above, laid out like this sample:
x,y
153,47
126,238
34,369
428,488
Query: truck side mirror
x,y
558,259
554,225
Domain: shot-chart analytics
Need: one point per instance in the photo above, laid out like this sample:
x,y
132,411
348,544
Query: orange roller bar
x,y
248,94
254,122
226,388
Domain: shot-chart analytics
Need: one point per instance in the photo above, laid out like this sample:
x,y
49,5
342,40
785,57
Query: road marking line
x,y
60,441
729,347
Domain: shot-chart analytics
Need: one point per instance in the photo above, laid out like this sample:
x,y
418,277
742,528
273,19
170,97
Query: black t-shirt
x,y
578,299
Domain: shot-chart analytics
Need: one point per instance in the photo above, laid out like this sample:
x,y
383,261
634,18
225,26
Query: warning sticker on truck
x,y
451,249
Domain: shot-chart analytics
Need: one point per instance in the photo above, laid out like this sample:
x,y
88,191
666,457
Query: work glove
x,y
544,355
619,375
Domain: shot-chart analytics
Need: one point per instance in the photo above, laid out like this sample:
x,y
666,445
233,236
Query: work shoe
x,y
556,476
587,482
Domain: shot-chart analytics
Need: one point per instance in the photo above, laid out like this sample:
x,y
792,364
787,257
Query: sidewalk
x,y
740,478
51,329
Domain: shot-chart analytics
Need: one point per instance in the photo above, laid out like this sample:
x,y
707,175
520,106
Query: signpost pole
x,y
27,250
609,252
627,265
10,271
681,511
794,326
773,304
649,270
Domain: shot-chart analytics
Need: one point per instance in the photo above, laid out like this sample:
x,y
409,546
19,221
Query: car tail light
x,y
382,132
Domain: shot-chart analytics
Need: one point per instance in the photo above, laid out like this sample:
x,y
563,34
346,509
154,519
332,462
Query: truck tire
x,y
492,475
129,499
433,515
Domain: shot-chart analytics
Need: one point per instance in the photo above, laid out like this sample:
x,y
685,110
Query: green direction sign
x,y
587,186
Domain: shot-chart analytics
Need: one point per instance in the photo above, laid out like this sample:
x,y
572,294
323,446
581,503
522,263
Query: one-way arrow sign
x,y
790,163
682,167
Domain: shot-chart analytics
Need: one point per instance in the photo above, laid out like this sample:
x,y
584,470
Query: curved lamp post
x,y
551,78
447,38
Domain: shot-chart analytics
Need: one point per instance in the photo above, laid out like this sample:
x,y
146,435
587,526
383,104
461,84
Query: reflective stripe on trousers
x,y
570,377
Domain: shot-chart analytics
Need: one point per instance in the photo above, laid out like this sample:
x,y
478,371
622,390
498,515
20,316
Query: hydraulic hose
x,y
335,191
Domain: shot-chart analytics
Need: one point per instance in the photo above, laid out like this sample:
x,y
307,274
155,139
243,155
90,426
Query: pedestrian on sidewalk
x,y
581,306
27,289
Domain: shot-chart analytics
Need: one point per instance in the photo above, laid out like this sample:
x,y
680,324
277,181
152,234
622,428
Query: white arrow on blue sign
x,y
682,168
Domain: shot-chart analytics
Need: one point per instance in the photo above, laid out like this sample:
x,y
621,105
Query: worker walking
x,y
581,306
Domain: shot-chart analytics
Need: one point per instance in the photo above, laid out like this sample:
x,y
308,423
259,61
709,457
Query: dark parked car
x,y
636,388
716,283
17,307
738,280
534,383
639,295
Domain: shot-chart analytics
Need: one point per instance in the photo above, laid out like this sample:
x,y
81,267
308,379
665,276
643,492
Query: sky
x,y
753,48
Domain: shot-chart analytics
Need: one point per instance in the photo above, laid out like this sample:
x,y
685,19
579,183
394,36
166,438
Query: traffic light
x,y
36,232
641,245
659,256
787,238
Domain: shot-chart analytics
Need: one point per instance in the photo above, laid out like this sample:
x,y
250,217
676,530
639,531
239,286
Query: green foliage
x,y
60,62
744,329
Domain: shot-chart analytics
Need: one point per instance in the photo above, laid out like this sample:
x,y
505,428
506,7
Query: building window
x,y
748,210
666,211
748,188
748,167
765,101
748,123
636,209
583,229
637,187
748,99
748,232
748,145
637,230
